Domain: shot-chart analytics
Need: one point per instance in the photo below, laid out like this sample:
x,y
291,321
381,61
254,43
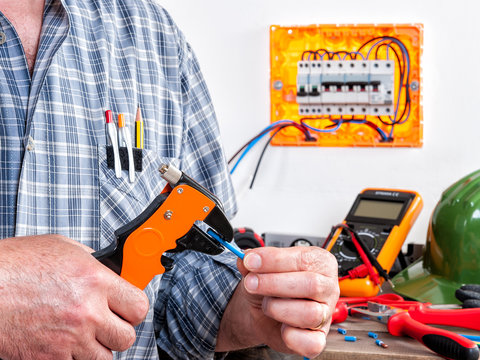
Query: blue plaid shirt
x,y
113,54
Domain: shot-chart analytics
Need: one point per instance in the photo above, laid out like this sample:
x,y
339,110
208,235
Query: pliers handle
x,y
445,343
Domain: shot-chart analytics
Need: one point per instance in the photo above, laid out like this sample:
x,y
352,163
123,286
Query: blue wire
x,y
382,133
229,246
252,144
340,122
354,52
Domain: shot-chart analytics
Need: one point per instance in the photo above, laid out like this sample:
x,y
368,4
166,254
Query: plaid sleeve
x,y
191,302
193,296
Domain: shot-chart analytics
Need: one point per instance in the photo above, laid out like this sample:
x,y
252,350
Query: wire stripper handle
x,y
137,253
443,342
113,255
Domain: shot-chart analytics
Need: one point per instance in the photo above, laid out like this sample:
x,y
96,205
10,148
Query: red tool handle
x,y
466,318
340,313
443,342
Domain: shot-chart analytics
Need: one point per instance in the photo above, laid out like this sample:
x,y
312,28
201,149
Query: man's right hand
x,y
58,302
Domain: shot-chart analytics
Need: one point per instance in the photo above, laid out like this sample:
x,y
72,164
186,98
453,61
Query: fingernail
x,y
251,282
252,261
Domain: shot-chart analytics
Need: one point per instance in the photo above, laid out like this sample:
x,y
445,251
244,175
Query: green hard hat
x,y
452,252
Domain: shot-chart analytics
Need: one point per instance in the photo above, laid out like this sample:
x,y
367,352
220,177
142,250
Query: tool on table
x,y
124,139
367,243
452,248
387,307
402,322
167,225
112,134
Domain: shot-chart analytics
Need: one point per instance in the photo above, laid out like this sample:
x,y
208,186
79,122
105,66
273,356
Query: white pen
x,y
125,139
112,134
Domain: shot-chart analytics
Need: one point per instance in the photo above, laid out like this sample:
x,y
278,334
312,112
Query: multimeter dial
x,y
381,219
373,237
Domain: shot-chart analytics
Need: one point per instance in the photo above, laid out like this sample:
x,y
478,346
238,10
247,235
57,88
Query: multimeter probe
x,y
368,241
369,261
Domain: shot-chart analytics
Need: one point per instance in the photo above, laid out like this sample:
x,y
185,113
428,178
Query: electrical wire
x,y
249,144
401,55
263,152
371,258
400,116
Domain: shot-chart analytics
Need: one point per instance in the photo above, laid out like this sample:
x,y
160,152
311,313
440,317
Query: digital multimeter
x,y
382,219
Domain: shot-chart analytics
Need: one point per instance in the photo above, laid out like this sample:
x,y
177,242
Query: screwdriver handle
x,y
443,342
465,318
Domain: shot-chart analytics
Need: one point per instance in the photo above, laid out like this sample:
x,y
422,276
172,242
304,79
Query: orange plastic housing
x,y
288,43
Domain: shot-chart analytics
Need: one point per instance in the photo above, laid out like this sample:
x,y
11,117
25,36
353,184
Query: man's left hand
x,y
285,300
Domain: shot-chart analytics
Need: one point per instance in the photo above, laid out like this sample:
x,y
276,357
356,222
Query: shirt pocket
x,y
121,200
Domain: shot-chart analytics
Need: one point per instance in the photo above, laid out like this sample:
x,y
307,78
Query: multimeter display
x,y
382,219
378,209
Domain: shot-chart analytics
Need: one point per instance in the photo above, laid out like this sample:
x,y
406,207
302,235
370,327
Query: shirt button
x,y
3,37
31,144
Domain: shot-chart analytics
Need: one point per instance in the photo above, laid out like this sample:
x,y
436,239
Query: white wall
x,y
307,190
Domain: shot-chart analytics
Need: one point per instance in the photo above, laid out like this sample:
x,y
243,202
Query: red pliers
x,y
410,318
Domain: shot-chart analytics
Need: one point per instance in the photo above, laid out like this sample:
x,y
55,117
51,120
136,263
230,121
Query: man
x,y
63,63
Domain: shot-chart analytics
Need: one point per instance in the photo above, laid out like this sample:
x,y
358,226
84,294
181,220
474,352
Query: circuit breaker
x,y
338,87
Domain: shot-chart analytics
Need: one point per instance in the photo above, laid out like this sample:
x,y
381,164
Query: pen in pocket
x,y
139,129
124,138
112,134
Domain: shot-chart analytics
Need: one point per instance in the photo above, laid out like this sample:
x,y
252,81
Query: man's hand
x,y
58,302
285,300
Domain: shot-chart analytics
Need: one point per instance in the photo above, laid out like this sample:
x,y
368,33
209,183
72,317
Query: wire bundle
x,y
371,48
394,49
275,127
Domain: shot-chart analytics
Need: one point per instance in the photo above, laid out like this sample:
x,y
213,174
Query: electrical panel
x,y
347,85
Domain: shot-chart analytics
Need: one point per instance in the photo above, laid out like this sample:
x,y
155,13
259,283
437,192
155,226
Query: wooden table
x,y
401,348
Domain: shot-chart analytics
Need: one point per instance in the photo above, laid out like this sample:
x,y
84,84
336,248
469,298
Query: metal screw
x,y
414,85
278,85
168,215
163,169
206,209
180,190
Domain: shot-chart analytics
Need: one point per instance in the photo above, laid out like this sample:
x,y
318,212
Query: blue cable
x,y
340,122
229,246
252,144
354,52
